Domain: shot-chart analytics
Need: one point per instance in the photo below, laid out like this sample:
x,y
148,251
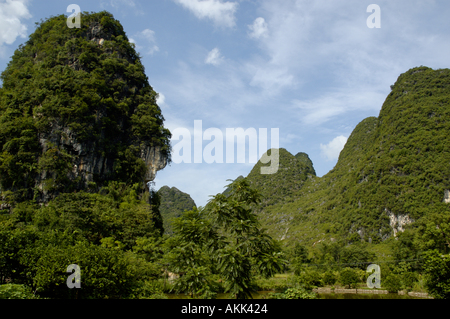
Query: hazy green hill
x,y
293,171
279,188
173,203
394,169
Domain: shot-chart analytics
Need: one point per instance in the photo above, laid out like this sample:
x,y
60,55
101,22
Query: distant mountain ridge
x,y
393,170
173,203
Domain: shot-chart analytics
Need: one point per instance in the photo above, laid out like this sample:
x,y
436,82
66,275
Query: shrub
x,y
309,279
293,293
12,291
349,277
329,278
392,282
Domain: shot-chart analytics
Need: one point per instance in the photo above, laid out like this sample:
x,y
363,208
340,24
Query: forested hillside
x,y
395,169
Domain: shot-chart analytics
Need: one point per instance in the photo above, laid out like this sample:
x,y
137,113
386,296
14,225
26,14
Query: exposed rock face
x,y
155,161
88,162
447,197
397,222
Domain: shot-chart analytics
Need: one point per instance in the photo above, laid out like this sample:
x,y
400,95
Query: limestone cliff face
x,y
398,222
155,160
91,118
88,163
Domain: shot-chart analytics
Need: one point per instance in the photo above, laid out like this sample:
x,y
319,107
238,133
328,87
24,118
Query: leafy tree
x,y
189,253
392,282
299,257
349,277
310,278
329,278
433,232
244,244
437,274
356,256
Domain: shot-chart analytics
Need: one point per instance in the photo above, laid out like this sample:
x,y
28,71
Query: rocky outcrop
x,y
447,196
398,222
88,164
155,161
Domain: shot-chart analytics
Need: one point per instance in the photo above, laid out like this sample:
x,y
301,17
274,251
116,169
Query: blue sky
x,y
312,69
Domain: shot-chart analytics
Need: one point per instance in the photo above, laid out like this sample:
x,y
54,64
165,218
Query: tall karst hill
x,y
393,170
77,111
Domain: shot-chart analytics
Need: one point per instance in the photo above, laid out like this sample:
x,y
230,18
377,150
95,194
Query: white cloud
x,y
259,29
119,3
11,26
322,109
214,57
161,100
147,43
332,150
221,13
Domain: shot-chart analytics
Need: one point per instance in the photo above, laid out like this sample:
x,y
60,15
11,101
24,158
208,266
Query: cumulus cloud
x,y
332,150
146,42
258,29
11,15
221,13
214,57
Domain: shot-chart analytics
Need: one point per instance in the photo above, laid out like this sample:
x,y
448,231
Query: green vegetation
x,y
77,121
222,241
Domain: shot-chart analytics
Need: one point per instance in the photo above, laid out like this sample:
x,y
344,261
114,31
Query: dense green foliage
x,y
245,243
173,203
65,94
102,233
223,240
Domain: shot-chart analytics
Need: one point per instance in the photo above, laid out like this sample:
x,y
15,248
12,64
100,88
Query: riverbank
x,y
372,292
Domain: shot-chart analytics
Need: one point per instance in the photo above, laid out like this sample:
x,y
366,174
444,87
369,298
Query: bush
x,y
273,284
392,283
293,293
150,290
329,278
409,280
349,277
309,279
12,291
437,274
